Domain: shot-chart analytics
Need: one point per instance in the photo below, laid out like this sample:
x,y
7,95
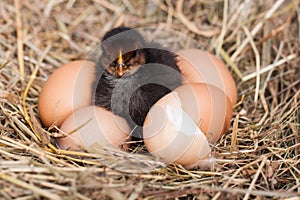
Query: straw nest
x,y
258,158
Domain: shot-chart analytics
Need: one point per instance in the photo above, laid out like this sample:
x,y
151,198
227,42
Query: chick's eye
x,y
113,64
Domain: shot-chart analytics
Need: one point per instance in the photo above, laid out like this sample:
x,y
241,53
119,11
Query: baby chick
x,y
132,75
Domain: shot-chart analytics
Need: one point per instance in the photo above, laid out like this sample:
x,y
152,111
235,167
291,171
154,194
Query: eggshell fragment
x,y
208,106
171,135
175,126
202,67
67,89
93,125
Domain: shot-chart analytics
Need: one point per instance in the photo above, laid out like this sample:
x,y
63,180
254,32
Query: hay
x,y
259,156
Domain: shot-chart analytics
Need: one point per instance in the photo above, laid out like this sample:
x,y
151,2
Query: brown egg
x,y
93,125
175,126
171,135
200,66
67,89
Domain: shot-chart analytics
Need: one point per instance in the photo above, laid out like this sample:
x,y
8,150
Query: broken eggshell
x,y
208,106
171,135
180,126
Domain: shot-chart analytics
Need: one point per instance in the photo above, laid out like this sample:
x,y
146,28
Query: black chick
x,y
133,74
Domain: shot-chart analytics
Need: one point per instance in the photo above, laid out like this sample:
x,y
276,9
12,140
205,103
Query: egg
x,y
171,135
179,127
68,88
200,66
93,125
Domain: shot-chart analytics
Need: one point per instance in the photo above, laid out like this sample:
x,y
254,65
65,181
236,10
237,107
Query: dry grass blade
x,y
224,27
255,178
270,67
24,96
227,59
19,38
234,132
257,28
190,25
31,187
257,64
4,64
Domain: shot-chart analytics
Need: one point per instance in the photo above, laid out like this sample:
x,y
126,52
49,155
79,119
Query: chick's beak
x,y
121,66
121,69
